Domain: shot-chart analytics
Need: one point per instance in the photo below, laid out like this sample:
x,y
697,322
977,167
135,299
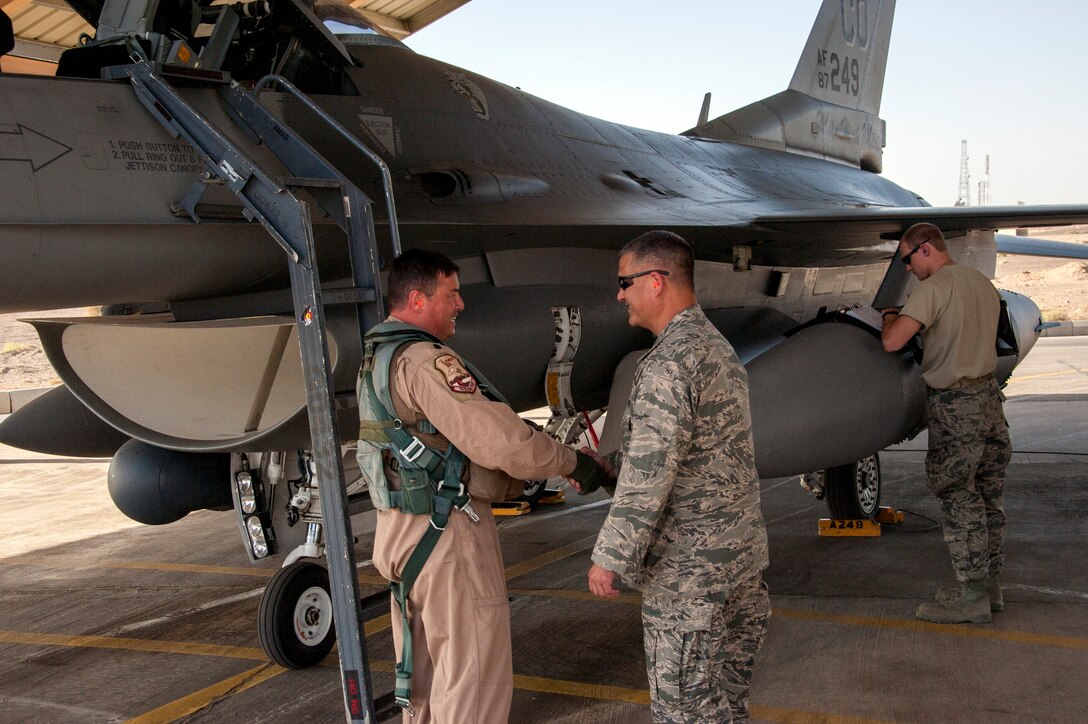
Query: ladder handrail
x,y
387,178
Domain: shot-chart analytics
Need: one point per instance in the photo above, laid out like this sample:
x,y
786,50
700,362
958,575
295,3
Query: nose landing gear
x,y
294,620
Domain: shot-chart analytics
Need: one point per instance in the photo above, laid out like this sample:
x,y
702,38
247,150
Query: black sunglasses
x,y
906,257
628,280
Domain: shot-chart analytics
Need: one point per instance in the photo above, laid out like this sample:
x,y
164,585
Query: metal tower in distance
x,y
984,185
964,199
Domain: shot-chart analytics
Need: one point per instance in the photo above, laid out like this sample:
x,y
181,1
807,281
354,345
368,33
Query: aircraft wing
x,y
891,222
1009,244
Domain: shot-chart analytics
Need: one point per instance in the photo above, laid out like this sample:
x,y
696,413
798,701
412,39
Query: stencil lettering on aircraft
x,y
381,129
155,156
841,75
855,22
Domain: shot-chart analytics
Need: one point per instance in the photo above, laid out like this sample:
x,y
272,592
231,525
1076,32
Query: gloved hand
x,y
588,474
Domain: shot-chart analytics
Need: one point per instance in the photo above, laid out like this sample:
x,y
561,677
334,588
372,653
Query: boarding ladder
x,y
273,202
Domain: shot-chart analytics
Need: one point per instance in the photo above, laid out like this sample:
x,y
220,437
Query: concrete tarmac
x,y
103,619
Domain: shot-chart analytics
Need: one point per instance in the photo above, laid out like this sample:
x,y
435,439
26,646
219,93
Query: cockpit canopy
x,y
349,25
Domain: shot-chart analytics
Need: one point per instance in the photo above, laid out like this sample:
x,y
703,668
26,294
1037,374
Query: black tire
x,y
294,620
852,491
532,492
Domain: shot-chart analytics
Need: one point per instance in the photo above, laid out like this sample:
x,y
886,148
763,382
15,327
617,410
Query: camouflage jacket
x,y
686,518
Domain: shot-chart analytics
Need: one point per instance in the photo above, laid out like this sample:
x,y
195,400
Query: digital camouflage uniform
x,y
969,445
969,449
685,526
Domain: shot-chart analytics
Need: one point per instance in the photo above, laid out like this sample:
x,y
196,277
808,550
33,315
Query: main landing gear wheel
x,y
295,616
532,491
853,490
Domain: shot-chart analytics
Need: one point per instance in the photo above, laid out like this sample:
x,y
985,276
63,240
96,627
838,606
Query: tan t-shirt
x,y
959,310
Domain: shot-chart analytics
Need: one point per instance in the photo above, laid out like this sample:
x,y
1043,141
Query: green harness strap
x,y
447,498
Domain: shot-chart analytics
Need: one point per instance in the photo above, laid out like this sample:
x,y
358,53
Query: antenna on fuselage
x,y
704,112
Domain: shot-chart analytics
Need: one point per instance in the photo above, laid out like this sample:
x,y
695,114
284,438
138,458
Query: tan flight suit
x,y
458,607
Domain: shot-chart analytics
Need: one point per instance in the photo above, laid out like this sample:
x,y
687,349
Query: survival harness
x,y
430,478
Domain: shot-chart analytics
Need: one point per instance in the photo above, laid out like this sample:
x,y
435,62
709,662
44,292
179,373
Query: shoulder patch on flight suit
x,y
457,377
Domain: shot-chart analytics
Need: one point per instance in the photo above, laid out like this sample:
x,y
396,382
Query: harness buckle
x,y
406,705
414,450
466,507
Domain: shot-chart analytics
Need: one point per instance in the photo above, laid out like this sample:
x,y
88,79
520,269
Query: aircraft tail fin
x,y
830,109
846,54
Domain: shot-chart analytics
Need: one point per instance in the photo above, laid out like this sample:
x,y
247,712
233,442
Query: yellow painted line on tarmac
x,y
131,644
192,703
944,629
632,598
1043,375
1019,637
577,688
544,559
642,697
222,570
187,567
165,566
375,625
198,700
794,716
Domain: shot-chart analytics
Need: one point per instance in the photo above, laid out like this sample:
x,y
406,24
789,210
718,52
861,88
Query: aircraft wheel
x,y
295,616
532,492
853,490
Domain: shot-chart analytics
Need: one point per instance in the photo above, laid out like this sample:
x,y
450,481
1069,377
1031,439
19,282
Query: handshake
x,y
591,472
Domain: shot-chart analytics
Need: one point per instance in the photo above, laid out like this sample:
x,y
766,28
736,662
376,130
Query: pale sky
x,y
1009,77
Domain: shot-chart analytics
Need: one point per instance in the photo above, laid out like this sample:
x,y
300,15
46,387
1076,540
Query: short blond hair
x,y
924,233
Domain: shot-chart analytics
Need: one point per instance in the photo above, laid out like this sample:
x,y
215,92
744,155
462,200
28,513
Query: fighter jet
x,y
189,377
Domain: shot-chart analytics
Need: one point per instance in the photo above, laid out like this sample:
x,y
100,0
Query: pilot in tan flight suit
x,y
459,614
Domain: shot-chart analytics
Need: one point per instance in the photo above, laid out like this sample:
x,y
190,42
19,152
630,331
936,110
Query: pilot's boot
x,y
993,593
968,604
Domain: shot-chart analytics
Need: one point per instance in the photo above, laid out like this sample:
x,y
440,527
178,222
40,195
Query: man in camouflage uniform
x,y
957,309
685,526
458,608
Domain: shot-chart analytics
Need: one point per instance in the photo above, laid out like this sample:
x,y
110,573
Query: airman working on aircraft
x,y
685,526
456,665
957,309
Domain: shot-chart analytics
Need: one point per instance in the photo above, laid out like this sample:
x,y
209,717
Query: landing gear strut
x,y
295,616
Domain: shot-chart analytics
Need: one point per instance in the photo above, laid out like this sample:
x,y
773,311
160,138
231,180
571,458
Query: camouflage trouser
x,y
700,653
969,449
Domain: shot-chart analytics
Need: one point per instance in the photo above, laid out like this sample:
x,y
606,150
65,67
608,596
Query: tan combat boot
x,y
993,592
969,604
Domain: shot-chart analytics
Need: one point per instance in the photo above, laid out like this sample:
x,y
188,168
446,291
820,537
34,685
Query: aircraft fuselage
x,y
478,167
